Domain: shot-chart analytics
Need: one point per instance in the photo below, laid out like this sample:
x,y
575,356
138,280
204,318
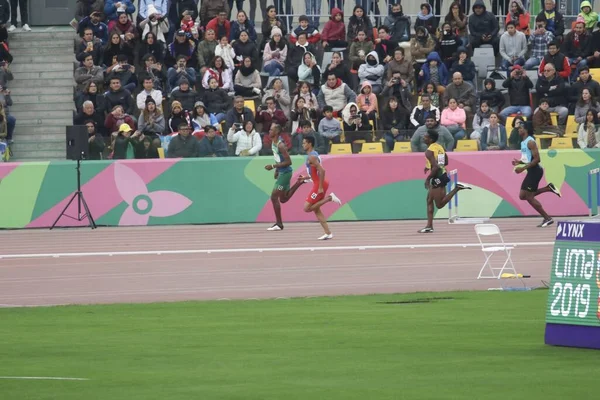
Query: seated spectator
x,y
359,22
394,121
175,11
94,21
577,46
269,24
123,71
421,112
90,92
185,95
338,68
372,73
559,60
238,114
115,47
242,24
151,121
464,65
359,49
426,19
458,21
95,141
178,117
179,71
82,9
88,113
117,96
513,46
588,135
212,145
330,128
483,27
384,46
542,120
310,99
398,25
148,90
200,118
311,32
309,71
124,27
514,141
519,16
461,91
220,25
590,17
584,81
356,125
586,103
112,8
448,44
218,103
281,96
212,9
295,56
492,96
334,32
247,80
89,45
493,137
434,71
367,102
551,87
247,140
5,74
221,73
305,129
335,93
539,40
301,113
275,53
268,114
156,24
518,85
454,118
183,145
422,44
122,142
417,142
181,46
401,65
206,50
242,48
150,45
145,148
481,120
88,73
225,51
116,118
4,135
432,91
154,71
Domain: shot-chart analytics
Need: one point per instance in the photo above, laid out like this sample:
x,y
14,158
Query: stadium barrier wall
x,y
228,190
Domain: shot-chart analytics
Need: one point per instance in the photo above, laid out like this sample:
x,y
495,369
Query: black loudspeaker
x,y
78,147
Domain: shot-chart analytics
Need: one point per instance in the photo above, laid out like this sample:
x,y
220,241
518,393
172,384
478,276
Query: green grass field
x,y
479,345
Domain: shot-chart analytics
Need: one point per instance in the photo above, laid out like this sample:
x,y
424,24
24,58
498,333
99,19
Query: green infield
x,y
463,345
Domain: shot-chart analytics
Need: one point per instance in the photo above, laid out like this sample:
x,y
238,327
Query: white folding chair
x,y
484,232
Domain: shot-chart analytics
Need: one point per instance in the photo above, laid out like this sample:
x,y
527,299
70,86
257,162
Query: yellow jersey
x,y
440,155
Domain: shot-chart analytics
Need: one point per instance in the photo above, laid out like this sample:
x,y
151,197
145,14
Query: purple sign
x,y
573,336
580,231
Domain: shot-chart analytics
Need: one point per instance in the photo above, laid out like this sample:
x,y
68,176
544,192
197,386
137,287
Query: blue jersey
x,y
308,167
526,155
278,157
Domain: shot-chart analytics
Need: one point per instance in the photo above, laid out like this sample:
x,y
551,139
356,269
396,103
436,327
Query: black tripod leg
x,y
64,210
87,211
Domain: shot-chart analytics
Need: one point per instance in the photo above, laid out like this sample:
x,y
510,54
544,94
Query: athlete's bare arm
x,y
286,162
314,161
535,158
434,165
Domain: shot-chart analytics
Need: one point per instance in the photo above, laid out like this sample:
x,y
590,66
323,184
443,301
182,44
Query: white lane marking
x,y
44,378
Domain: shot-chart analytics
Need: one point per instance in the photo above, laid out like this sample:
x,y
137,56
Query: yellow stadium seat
x,y
554,118
372,148
402,147
538,142
562,143
342,148
466,145
595,73
161,152
250,105
572,127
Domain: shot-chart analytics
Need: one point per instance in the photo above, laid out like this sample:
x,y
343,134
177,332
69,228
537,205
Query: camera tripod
x,y
80,202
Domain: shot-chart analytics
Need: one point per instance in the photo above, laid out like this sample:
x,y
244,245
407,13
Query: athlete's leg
x,y
430,209
275,196
285,196
441,198
319,204
322,220
530,198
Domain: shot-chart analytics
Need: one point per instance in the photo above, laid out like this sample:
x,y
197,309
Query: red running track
x,y
117,265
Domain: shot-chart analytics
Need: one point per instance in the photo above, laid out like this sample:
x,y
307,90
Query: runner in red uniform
x,y
317,197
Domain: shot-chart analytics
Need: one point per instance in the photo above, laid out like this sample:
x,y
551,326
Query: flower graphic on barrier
x,y
144,204
556,169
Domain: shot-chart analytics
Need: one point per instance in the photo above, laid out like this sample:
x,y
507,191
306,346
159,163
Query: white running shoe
x,y
326,236
462,186
335,199
12,28
26,28
275,228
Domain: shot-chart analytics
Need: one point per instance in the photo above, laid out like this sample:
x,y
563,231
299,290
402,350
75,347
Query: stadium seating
x,y
562,143
466,145
401,147
341,148
372,148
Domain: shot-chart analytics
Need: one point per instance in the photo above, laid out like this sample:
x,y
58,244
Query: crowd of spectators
x,y
189,81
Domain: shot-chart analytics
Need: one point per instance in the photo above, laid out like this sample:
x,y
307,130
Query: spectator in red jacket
x,y
220,25
334,33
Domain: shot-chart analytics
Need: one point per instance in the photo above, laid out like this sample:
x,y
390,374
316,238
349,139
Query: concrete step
x,y
44,106
29,154
30,129
41,89
34,51
31,122
41,67
40,83
57,43
44,35
67,74
21,146
26,114
19,99
45,59
22,137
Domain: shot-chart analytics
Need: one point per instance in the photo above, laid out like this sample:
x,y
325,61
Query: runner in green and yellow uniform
x,y
283,175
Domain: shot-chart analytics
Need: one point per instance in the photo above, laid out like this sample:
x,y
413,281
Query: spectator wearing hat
x,y
180,70
464,65
577,46
178,117
185,95
151,121
182,45
275,53
483,27
112,7
183,145
155,22
200,118
22,4
95,140
148,90
88,73
212,145
122,142
94,21
89,45
146,8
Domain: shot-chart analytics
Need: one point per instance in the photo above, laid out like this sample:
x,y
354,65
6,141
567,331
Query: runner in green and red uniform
x,y
283,174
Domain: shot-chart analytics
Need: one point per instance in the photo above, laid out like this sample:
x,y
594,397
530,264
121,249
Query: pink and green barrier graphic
x,y
229,190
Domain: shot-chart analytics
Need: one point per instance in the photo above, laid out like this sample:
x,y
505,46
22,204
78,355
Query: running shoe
x,y
426,230
554,189
462,186
326,236
546,223
275,228
336,199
